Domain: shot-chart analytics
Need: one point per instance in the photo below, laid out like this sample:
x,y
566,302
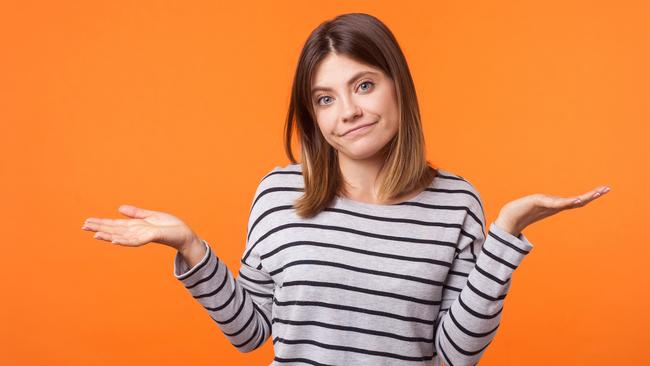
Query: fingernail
x,y
577,200
606,189
96,235
596,194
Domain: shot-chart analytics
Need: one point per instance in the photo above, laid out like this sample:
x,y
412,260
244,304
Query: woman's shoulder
x,y
289,175
277,186
284,172
450,178
450,181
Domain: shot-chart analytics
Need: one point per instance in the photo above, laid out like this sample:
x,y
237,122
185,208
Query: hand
x,y
144,226
520,213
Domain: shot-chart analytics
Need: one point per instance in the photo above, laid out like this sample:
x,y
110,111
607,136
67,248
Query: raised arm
x,y
241,307
476,287
481,274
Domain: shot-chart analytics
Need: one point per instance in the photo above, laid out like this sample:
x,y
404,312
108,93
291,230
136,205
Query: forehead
x,y
337,69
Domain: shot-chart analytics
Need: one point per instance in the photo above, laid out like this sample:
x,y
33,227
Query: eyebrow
x,y
352,79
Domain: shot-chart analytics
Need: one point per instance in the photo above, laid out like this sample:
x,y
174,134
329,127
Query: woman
x,y
362,253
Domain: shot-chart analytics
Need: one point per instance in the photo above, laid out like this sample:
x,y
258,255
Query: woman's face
x,y
347,94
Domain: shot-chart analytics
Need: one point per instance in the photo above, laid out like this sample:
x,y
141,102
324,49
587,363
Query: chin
x,y
361,152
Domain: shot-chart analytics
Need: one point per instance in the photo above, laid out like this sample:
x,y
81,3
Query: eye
x,y
366,82
319,99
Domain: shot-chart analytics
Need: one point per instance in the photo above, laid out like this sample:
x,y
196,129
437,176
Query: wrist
x,y
507,226
191,245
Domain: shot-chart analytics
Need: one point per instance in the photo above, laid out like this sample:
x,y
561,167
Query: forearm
x,y
241,309
472,319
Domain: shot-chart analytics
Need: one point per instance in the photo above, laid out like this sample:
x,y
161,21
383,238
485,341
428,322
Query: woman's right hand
x,y
142,227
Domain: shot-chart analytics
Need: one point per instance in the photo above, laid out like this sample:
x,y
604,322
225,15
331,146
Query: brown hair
x,y
365,39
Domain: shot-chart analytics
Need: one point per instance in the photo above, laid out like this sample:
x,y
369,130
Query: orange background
x,y
179,107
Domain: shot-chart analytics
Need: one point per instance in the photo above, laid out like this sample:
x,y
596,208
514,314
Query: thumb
x,y
135,212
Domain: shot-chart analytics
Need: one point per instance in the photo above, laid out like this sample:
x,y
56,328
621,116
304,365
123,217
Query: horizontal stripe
x,y
458,348
352,329
261,282
409,319
301,359
505,242
347,230
355,269
387,272
355,250
352,349
359,289
467,331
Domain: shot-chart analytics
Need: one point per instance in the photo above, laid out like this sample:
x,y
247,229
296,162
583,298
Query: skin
x,y
368,98
343,106
518,214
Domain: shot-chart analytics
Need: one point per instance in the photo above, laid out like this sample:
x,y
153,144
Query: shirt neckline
x,y
375,206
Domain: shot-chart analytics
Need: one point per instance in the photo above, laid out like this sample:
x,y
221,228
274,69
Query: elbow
x,y
245,349
250,345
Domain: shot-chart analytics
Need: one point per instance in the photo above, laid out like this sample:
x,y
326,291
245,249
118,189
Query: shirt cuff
x,y
506,248
182,270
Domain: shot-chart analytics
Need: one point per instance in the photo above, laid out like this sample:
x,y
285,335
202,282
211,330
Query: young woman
x,y
362,253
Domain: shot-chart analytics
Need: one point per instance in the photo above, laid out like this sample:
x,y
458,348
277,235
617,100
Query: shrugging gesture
x,y
518,214
141,227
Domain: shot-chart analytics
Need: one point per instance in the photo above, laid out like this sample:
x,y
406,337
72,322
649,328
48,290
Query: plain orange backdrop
x,y
179,107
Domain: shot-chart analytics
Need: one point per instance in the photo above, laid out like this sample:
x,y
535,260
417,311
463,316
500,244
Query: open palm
x,y
520,213
142,227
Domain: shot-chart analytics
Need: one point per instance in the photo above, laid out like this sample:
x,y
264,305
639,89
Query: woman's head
x,y
347,94
333,55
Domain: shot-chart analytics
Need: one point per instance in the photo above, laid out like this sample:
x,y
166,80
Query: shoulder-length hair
x,y
367,40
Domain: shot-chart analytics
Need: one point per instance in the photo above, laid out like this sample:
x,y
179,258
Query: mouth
x,y
357,128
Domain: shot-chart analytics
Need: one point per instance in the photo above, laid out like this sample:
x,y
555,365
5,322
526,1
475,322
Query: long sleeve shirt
x,y
413,283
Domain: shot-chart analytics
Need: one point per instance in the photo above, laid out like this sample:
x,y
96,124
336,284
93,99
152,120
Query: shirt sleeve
x,y
475,289
240,306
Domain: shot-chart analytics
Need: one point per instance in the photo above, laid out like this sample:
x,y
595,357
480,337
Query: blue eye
x,y
319,99
365,82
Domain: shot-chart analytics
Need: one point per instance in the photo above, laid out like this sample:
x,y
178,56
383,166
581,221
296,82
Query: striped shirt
x,y
413,283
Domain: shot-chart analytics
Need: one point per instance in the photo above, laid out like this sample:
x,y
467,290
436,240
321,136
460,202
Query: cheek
x,y
326,121
326,127
382,103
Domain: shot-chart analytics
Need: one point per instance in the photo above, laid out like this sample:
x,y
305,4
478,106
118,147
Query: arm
x,y
477,286
240,307
475,289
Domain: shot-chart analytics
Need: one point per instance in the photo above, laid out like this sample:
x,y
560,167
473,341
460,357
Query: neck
x,y
362,177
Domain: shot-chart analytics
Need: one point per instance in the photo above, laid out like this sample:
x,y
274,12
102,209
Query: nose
x,y
349,110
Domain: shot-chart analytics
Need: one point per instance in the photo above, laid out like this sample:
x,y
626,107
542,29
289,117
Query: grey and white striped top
x,y
414,283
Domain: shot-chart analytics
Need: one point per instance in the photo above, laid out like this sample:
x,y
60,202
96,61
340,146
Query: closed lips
x,y
356,128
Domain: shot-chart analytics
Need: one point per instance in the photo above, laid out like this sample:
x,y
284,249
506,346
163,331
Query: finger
x,y
117,239
113,238
568,202
110,229
109,222
103,236
98,221
585,198
549,201
136,212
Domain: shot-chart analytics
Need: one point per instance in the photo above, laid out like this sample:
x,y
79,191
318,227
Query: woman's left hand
x,y
520,213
